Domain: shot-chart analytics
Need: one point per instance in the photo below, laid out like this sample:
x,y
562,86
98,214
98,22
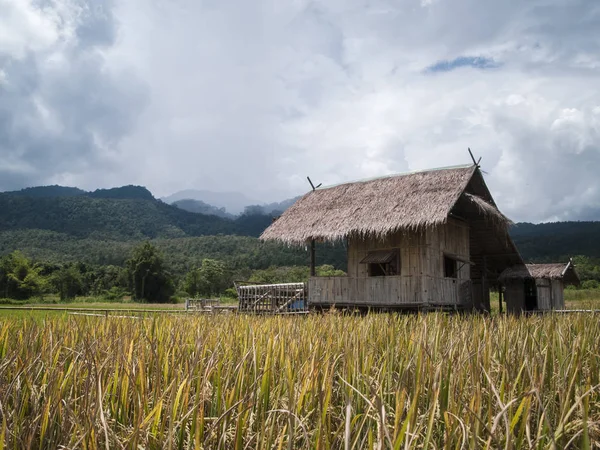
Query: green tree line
x,y
145,276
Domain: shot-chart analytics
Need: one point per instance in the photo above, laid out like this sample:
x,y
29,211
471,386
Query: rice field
x,y
318,382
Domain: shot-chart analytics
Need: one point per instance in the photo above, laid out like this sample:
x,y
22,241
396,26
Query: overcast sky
x,y
252,96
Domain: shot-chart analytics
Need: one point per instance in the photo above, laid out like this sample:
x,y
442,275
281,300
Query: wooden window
x,y
382,263
450,267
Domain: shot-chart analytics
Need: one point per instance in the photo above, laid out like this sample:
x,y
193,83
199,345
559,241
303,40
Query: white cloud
x,y
24,27
254,96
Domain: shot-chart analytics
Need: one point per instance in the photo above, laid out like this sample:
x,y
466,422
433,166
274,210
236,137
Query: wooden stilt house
x,y
421,240
537,287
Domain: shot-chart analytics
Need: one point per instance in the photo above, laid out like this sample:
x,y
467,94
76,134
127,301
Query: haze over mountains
x,y
223,204
233,202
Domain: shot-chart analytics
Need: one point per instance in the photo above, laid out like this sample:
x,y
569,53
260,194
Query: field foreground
x,y
323,381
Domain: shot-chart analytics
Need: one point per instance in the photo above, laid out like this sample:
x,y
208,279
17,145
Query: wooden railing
x,y
284,298
394,291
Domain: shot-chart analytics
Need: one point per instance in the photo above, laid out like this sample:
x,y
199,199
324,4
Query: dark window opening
x,y
530,294
378,270
450,267
382,263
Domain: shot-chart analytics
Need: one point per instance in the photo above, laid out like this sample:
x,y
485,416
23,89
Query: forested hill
x,y
124,192
131,213
126,213
547,242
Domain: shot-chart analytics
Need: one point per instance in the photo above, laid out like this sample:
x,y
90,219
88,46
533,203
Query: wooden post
x,y
500,298
313,268
484,303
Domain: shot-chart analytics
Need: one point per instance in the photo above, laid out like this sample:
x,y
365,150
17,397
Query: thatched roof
x,y
377,207
488,210
554,271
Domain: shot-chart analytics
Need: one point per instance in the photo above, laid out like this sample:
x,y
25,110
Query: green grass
x,y
29,314
574,299
582,298
323,381
42,309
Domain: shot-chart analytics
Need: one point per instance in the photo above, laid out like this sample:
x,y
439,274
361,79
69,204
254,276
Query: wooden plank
x,y
313,270
385,291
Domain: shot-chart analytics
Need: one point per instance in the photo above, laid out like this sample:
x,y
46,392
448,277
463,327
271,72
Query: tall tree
x,y
19,278
67,281
209,279
150,280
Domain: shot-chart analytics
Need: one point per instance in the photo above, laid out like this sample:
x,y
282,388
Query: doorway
x,y
530,294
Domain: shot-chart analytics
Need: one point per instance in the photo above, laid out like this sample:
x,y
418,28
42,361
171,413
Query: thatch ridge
x,y
396,175
377,207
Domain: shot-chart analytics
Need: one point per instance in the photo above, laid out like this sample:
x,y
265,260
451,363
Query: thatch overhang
x,y
555,271
373,208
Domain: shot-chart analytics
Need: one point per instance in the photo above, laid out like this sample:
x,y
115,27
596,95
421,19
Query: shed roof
x,y
554,271
380,206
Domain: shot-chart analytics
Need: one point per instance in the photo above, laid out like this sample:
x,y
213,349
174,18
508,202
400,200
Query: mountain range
x,y
124,213
33,217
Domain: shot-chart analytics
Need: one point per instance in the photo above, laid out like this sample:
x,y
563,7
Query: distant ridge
x,y
123,192
556,241
49,191
122,213
56,191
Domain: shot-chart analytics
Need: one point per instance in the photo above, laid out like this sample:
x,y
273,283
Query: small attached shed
x,y
537,287
431,239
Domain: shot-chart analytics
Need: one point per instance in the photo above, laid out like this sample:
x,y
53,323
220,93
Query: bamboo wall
x,y
544,294
389,292
421,280
421,253
558,294
550,295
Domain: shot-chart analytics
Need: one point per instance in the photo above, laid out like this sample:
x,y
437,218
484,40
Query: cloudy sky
x,y
252,96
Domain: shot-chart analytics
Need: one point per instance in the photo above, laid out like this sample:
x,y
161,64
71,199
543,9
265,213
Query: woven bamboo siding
x,y
544,294
411,246
452,239
558,299
421,280
421,253
388,292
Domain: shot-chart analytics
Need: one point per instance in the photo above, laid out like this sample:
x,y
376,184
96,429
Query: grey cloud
x,y
556,170
254,96
61,109
97,24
